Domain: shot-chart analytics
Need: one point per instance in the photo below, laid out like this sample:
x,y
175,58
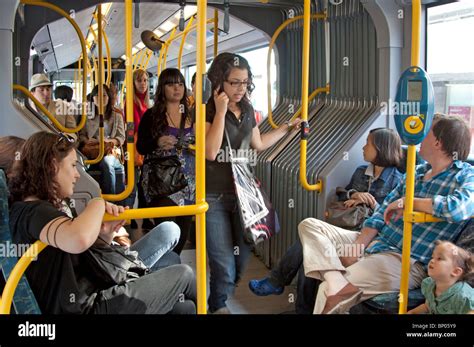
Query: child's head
x,y
383,148
450,262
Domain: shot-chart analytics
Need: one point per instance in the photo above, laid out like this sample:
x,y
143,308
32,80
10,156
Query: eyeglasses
x,y
238,84
64,137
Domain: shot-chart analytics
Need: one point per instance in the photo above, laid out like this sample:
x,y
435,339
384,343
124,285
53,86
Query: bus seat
x,y
388,303
24,301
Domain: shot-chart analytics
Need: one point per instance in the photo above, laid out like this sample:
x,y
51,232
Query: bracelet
x,y
289,124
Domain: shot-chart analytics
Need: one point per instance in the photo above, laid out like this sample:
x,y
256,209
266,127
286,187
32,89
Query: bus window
x,y
450,60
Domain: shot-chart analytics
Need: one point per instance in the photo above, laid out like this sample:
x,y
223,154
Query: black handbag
x,y
113,264
163,176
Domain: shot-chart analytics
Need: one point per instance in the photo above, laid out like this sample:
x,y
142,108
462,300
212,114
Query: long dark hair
x,y
109,107
219,72
33,174
158,111
388,145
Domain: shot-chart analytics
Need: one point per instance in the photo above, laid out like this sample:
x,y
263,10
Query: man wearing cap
x,y
40,87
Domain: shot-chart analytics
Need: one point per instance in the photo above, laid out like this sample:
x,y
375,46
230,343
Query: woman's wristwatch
x,y
289,124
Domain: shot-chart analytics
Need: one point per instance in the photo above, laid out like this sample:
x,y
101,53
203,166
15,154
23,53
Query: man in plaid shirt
x,y
444,187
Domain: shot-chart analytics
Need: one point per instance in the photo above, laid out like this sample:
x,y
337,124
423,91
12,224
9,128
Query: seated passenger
x,y
10,151
166,130
40,87
369,184
444,188
114,133
69,276
449,289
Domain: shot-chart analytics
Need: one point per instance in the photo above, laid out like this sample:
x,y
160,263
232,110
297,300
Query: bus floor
x,y
244,301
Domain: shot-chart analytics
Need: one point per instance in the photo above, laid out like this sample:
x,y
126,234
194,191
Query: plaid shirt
x,y
452,192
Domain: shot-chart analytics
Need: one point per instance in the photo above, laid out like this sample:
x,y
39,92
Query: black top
x,y
219,178
146,144
56,277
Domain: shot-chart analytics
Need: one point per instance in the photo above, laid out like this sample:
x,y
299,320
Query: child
x,y
449,289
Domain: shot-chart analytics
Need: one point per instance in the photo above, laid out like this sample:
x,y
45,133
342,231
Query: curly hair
x,y
10,151
219,72
158,110
34,175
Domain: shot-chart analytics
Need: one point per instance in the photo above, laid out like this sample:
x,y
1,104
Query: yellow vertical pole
x,y
216,31
304,95
200,163
410,176
183,39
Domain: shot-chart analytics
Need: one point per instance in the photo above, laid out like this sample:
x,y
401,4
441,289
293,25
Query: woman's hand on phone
x,y
221,101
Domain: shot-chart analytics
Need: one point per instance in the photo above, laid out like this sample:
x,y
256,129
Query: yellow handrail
x,y
83,47
269,54
216,31
100,81
304,99
17,272
200,161
410,175
173,37
107,48
167,46
181,46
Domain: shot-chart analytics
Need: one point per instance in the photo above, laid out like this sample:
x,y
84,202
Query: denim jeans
x,y
110,166
287,268
155,248
228,253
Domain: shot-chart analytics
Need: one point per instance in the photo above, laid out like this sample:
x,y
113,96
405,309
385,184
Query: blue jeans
x,y
110,166
155,248
228,253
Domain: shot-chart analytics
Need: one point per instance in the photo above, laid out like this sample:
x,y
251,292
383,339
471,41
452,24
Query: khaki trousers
x,y
374,274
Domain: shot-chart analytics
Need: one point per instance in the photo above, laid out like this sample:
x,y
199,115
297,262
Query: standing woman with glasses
x,y
165,130
230,110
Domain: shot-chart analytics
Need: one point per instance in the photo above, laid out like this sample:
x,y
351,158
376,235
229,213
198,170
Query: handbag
x,y
163,176
113,264
350,218
258,217
91,150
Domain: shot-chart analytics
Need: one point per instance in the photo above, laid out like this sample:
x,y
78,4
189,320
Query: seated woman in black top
x,y
63,278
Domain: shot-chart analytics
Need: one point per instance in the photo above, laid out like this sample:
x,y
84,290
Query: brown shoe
x,y
342,300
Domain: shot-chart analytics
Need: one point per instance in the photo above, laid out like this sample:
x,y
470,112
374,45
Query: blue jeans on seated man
x,y
228,253
155,248
111,168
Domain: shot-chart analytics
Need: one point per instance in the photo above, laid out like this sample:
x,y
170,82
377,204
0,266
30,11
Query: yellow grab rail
x,y
107,49
410,175
303,143
181,46
304,100
269,54
17,272
216,31
100,75
83,47
200,161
